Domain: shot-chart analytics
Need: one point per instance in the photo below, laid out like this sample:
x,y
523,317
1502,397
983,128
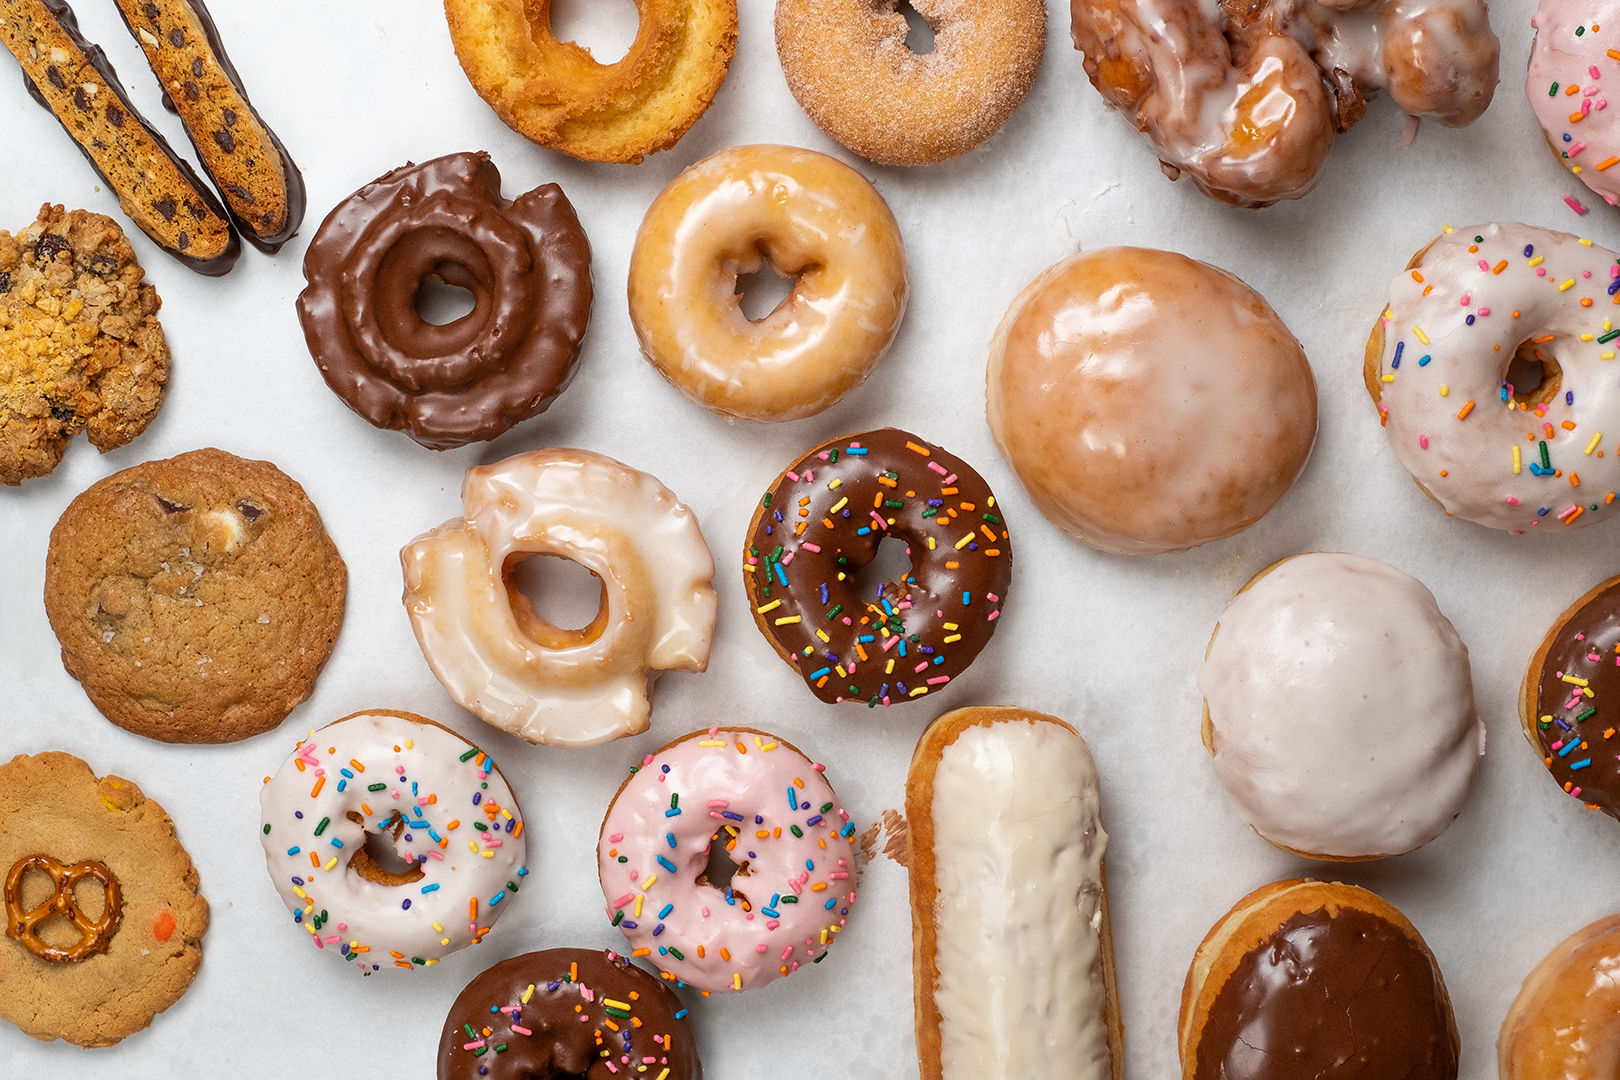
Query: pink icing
x,y
1581,61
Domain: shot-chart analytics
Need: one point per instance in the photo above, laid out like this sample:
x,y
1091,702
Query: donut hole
x,y
557,602
919,35
440,303
723,868
604,28
377,860
762,292
1534,375
887,574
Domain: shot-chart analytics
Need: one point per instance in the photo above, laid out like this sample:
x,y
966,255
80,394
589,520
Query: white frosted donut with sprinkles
x,y
1569,58
788,838
1493,369
448,813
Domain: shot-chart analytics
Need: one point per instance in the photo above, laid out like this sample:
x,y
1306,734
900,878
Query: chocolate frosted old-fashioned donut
x,y
823,520
526,262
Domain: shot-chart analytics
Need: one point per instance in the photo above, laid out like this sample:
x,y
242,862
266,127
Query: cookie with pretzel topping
x,y
103,920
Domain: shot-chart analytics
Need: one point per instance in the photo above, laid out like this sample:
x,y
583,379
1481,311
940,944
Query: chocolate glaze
x,y
212,267
526,262
1332,997
1575,725
931,495
269,244
558,1043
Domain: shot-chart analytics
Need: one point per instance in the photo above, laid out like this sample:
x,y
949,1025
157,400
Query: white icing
x,y
1018,857
1342,707
436,788
1558,56
1469,363
574,688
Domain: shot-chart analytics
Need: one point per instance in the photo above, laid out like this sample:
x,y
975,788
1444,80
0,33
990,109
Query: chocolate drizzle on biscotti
x,y
1575,718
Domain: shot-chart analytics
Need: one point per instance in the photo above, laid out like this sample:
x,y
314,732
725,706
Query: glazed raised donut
x,y
1149,402
526,262
811,217
448,812
495,654
791,841
1339,708
1573,675
1245,98
1565,85
1561,1026
1311,979
553,93
565,1012
1491,370
848,66
821,522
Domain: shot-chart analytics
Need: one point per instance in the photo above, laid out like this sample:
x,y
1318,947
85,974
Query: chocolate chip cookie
x,y
104,923
197,598
80,344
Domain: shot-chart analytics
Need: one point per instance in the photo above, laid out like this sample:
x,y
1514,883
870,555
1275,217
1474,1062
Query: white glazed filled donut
x,y
499,658
450,815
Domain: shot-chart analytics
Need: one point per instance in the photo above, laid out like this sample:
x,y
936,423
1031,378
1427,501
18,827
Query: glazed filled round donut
x,y
788,863
563,1013
823,520
1572,678
553,93
499,658
1149,402
1492,370
447,813
1311,978
812,218
1564,82
1562,1026
850,69
1245,98
526,263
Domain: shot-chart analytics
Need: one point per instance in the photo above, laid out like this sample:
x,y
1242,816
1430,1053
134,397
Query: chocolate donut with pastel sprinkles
x,y
823,520
567,1012
1492,370
1567,700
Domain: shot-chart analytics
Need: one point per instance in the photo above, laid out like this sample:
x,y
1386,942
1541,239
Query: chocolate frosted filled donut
x,y
526,262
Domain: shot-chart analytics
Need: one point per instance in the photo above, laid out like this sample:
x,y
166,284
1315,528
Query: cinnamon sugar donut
x,y
850,69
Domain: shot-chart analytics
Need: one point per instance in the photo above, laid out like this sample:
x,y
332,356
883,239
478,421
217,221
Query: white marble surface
x,y
1110,643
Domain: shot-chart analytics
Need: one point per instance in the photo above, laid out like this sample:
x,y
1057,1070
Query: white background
x,y
1110,643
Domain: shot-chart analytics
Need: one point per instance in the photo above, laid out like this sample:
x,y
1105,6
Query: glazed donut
x,y
553,93
1339,709
809,216
819,524
1506,395
543,1014
497,656
1306,978
1009,902
394,773
848,66
1574,673
1245,98
764,800
1561,1026
526,262
1148,402
1565,87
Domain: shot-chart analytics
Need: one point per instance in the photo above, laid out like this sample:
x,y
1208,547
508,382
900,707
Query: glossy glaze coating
x,y
1245,98
526,263
1562,1025
1568,59
789,836
819,524
1441,366
812,218
1570,691
567,1013
497,656
1341,709
1149,402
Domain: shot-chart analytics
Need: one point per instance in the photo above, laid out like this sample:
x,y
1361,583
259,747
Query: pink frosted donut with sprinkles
x,y
393,840
1571,60
1493,369
727,860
